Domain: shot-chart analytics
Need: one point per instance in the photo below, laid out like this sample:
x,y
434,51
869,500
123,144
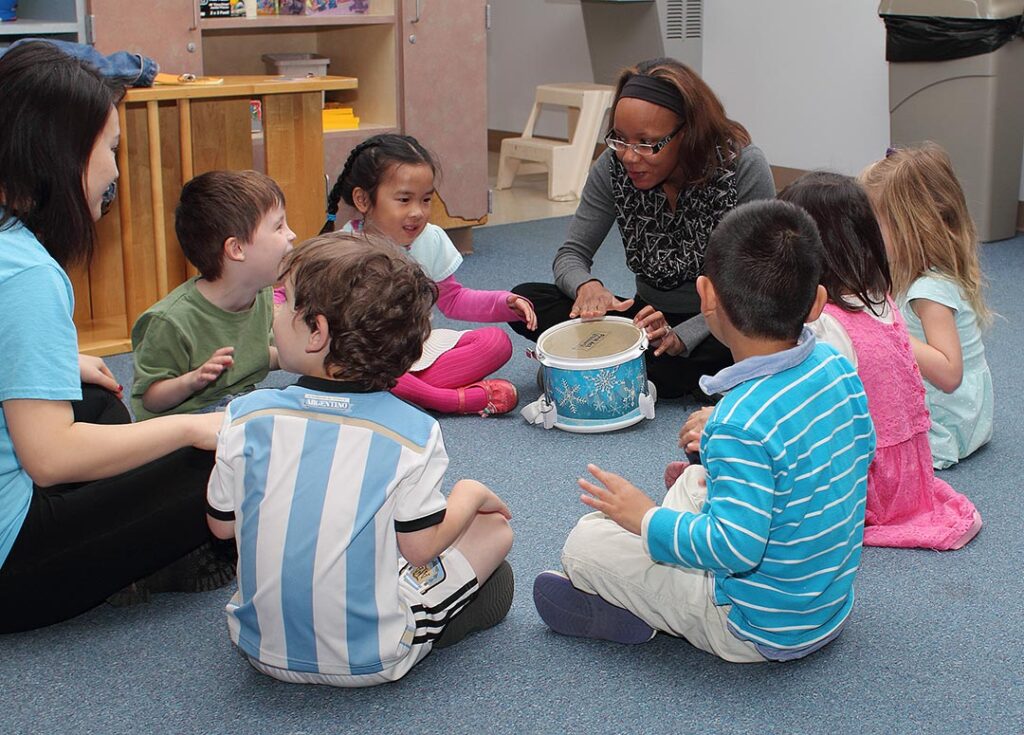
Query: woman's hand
x,y
204,428
658,331
593,300
94,371
689,435
524,309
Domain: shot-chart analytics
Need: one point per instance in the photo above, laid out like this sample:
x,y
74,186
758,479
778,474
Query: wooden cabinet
x,y
170,34
444,95
420,67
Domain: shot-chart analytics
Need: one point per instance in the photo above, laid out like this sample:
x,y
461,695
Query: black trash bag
x,y
917,38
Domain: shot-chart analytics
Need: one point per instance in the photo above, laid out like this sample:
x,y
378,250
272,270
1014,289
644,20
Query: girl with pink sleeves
x,y
389,179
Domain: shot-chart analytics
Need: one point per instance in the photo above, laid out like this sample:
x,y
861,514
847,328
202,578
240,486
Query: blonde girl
x,y
937,283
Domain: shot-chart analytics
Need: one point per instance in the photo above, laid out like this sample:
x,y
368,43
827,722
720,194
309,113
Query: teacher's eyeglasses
x,y
641,149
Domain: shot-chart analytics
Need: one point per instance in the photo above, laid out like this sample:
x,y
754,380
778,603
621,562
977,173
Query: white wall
x,y
533,42
808,78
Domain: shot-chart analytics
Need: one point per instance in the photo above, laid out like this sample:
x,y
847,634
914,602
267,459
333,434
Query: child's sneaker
x,y
487,609
570,611
502,397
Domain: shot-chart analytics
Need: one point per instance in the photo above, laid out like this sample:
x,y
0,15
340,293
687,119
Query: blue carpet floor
x,y
935,643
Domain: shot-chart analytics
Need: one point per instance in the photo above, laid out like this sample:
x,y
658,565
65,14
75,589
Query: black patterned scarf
x,y
663,247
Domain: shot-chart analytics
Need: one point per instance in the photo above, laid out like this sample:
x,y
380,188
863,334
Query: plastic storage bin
x,y
299,65
955,75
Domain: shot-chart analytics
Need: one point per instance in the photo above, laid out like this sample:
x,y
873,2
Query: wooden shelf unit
x,y
179,131
421,70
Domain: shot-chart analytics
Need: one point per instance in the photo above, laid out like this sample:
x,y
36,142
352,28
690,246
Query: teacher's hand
x,y
593,300
659,333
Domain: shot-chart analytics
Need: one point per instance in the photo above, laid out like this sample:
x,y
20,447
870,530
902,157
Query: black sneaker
x,y
488,608
209,567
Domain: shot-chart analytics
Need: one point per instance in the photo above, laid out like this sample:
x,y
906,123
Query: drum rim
x,y
592,363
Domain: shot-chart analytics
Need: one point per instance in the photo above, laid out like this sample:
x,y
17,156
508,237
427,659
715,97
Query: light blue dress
x,y
961,420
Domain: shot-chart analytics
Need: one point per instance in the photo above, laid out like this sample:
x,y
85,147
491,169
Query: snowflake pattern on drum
x,y
604,394
663,247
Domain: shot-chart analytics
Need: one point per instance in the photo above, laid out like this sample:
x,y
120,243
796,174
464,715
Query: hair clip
x,y
889,151
332,217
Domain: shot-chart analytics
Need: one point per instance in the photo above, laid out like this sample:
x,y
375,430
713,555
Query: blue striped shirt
x,y
319,479
787,453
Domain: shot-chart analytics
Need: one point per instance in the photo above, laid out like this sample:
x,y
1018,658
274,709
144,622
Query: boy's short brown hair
x,y
376,300
221,204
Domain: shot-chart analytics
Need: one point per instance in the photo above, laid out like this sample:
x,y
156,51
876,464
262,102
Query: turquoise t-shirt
x,y
432,249
961,420
39,345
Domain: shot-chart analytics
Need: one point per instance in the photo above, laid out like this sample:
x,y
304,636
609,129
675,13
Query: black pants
x,y
675,377
82,542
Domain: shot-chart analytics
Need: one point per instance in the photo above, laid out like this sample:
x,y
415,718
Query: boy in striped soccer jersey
x,y
327,483
752,555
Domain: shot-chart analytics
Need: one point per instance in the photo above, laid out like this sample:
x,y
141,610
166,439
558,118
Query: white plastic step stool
x,y
567,162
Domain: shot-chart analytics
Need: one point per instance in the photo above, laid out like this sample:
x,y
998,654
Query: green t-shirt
x,y
181,331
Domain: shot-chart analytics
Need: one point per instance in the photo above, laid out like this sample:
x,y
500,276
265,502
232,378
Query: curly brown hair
x,y
376,301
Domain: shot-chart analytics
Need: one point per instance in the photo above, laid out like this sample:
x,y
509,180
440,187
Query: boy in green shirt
x,y
209,339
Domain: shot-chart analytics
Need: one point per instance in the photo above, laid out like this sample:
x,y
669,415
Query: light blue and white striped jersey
x,y
787,453
318,478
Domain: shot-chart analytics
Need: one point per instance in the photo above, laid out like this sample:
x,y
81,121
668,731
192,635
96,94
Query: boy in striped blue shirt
x,y
327,483
751,556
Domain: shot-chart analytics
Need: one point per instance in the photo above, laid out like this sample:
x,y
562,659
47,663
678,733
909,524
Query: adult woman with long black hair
x,y
86,508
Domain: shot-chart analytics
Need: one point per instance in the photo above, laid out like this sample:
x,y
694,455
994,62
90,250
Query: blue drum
x,y
594,375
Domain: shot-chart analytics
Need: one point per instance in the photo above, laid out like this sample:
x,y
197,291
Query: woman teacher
x,y
675,165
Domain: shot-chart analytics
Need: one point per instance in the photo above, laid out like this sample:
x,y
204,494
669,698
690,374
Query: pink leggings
x,y
476,355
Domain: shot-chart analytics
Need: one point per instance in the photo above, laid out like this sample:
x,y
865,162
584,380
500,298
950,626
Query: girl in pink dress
x,y
389,180
907,505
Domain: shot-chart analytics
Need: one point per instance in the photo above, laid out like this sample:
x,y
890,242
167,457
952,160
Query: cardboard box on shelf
x,y
215,8
323,7
339,118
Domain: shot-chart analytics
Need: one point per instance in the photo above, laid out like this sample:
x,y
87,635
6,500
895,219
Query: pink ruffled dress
x,y
907,505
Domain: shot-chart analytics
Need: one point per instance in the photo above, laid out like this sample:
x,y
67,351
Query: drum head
x,y
597,339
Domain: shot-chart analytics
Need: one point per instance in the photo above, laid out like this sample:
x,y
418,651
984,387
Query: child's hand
x,y
95,372
210,370
524,309
621,501
494,504
659,333
689,435
487,501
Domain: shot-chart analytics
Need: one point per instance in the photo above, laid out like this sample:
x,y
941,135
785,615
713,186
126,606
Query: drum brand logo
x,y
592,341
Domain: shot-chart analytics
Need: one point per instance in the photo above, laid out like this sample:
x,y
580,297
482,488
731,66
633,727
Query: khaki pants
x,y
604,559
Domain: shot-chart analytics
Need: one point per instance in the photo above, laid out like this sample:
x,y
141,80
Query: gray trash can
x,y
956,77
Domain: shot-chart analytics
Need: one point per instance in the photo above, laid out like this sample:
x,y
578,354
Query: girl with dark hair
x,y
89,503
389,179
907,505
675,165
